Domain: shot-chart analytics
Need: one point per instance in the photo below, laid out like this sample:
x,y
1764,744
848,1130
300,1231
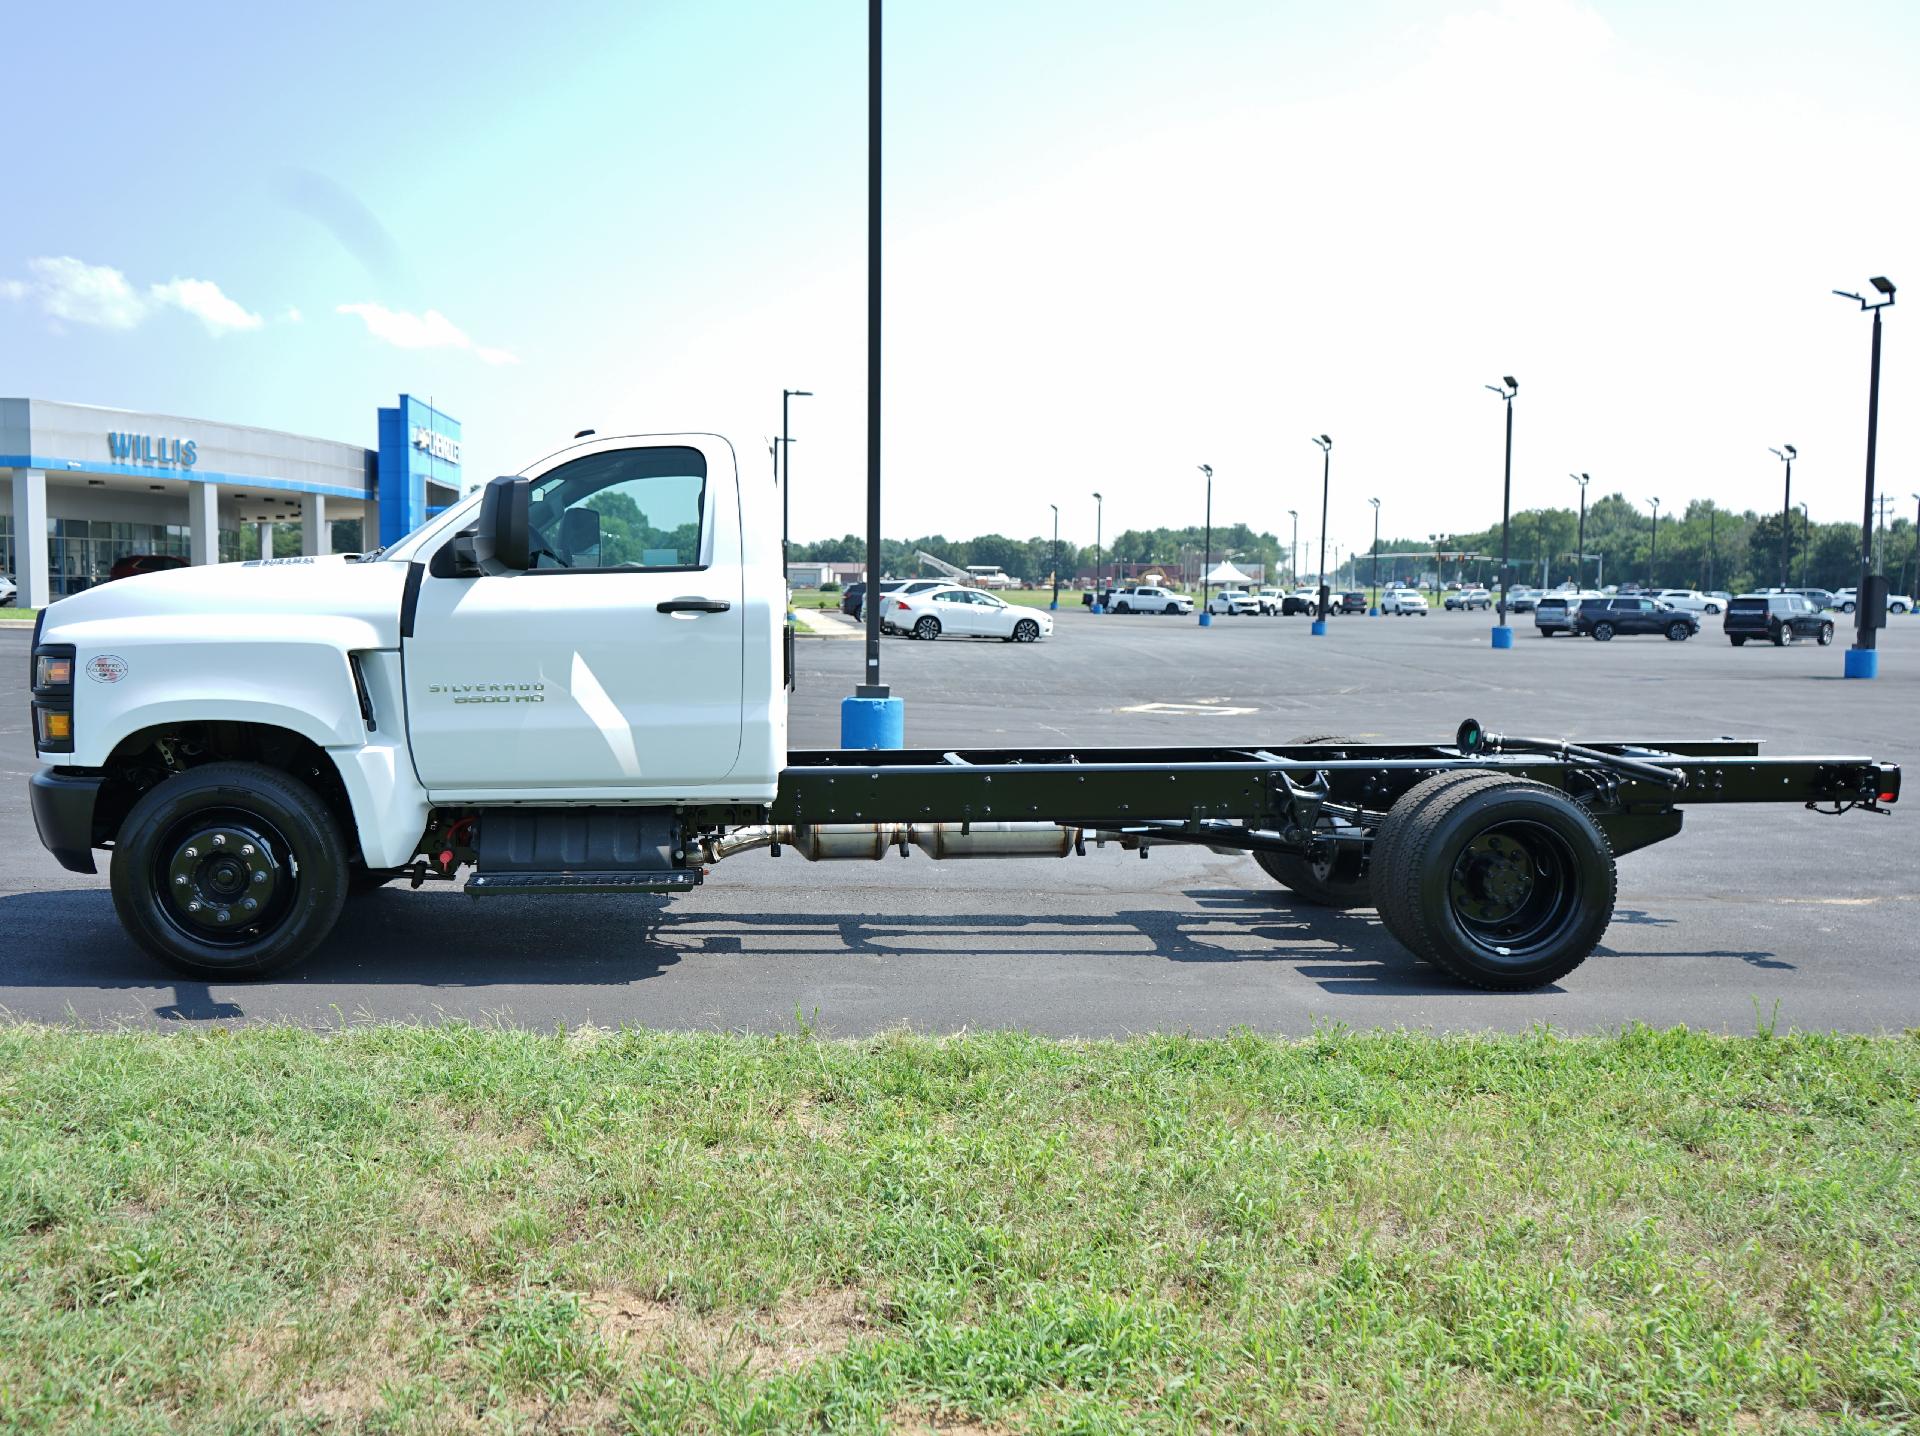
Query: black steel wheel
x,y
1026,631
1503,883
1602,632
928,627
229,870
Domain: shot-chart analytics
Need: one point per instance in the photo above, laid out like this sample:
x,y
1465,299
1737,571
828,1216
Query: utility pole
x,y
1883,503
1373,609
1711,510
786,451
1056,555
1653,550
1863,659
1293,550
1786,454
1206,564
1320,594
1580,558
1099,508
1806,536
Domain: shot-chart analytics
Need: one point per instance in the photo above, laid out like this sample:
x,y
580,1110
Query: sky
x,y
1122,239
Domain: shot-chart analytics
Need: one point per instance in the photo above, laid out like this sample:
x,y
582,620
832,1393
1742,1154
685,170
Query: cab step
x,y
672,880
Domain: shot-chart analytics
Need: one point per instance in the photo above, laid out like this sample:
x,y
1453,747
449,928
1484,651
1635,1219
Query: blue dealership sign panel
x,y
419,446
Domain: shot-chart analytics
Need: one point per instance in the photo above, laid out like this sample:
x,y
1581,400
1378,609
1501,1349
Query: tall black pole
x,y
1326,475
1293,549
1786,525
1376,557
1580,559
1502,634
1206,562
1865,632
1056,554
873,687
1710,513
1653,550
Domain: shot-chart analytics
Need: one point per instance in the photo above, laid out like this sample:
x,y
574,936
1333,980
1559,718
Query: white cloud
x,y
203,299
432,330
83,293
13,289
292,316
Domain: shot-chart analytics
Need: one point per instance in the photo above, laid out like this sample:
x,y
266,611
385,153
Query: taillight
x,y
901,605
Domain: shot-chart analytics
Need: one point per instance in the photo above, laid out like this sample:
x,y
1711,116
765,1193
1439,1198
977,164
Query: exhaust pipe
x,y
834,842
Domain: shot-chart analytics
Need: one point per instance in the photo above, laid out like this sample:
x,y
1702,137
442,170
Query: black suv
x,y
1780,617
1602,618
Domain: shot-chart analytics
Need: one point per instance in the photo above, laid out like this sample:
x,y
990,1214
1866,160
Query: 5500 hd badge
x,y
490,692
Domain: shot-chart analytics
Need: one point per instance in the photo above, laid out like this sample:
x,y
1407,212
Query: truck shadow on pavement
x,y
398,939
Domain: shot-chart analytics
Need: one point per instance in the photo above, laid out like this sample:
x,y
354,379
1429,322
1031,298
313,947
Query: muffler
x,y
834,842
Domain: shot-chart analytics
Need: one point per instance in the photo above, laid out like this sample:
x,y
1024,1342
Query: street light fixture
x,y
1056,555
1786,454
1653,552
1099,508
1580,558
1502,634
1373,610
1863,660
1326,472
1206,563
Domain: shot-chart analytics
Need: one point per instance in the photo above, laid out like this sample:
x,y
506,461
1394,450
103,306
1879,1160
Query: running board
x,y
672,880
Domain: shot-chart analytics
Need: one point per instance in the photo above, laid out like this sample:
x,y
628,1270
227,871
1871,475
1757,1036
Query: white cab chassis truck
x,y
576,681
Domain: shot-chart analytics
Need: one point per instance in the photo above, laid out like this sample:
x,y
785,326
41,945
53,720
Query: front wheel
x,y
231,870
928,627
1503,883
1826,634
1677,632
1737,640
1026,631
1713,608
1847,607
1603,632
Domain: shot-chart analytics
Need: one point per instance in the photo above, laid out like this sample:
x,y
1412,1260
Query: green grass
x,y
17,612
422,1229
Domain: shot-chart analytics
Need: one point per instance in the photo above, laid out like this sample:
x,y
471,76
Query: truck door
x,y
613,666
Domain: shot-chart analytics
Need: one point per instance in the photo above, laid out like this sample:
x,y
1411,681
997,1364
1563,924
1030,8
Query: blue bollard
x,y
1097,608
873,723
1206,619
1502,637
1863,663
1373,613
1319,628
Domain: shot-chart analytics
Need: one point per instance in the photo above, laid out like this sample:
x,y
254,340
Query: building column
x,y
266,540
31,551
203,522
316,534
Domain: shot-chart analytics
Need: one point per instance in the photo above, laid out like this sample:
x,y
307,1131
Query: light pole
x,y
1869,612
786,450
1320,594
1056,555
1206,563
1806,532
1653,552
1099,507
1293,549
1916,556
1373,609
1786,454
1580,558
1502,634
1712,509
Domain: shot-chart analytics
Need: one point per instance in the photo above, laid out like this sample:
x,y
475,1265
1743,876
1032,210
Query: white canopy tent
x,y
1225,573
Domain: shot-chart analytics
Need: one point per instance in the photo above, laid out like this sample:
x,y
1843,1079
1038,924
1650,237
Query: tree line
x,y
1704,546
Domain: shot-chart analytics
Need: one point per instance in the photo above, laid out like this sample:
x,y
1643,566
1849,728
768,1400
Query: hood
x,y
242,594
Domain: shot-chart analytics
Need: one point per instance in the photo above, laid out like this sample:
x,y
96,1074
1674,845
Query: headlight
x,y
53,670
53,698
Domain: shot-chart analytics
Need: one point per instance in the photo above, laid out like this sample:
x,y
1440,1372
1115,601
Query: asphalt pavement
x,y
1752,916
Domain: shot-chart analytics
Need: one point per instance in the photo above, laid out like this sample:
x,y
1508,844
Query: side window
x,y
624,509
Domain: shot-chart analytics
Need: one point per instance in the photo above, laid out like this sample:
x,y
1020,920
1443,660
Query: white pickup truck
x,y
576,681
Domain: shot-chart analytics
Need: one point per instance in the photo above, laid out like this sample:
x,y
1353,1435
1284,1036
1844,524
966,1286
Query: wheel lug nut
x,y
219,840
193,852
246,850
250,905
223,915
194,906
259,875
180,880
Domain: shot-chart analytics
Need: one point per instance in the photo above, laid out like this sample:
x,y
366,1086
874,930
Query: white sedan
x,y
965,613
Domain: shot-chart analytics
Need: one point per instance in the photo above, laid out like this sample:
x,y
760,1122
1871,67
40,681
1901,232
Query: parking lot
x,y
1753,915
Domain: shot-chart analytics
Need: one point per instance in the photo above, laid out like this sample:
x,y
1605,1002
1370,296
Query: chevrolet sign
x,y
439,445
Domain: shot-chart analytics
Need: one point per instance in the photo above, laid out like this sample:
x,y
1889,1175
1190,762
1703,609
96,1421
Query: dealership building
x,y
82,487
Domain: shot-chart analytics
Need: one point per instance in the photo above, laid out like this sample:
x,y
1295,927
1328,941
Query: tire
x,y
1339,881
1603,633
1678,633
1846,607
1026,631
1121,608
1738,640
1825,635
1782,636
1713,608
167,846
928,628
1503,883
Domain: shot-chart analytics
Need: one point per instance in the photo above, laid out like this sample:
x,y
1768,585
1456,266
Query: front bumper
x,y
63,806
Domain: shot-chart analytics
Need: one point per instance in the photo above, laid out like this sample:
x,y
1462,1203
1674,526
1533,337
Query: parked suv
x,y
1848,599
1350,601
1469,599
1233,601
1603,618
1403,600
1555,611
1522,600
1147,598
1778,617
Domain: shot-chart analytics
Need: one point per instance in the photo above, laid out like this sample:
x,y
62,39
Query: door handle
x,y
693,605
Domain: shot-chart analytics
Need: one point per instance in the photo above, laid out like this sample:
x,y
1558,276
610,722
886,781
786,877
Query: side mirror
x,y
500,540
